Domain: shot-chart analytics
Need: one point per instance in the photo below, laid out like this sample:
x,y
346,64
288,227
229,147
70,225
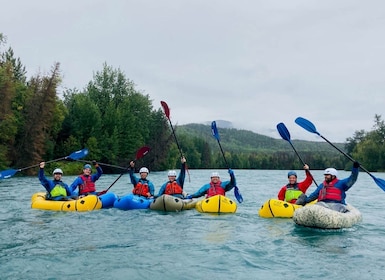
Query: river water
x,y
145,244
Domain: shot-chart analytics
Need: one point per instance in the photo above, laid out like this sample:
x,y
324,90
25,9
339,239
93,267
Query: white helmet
x,y
58,170
331,171
144,170
171,173
214,174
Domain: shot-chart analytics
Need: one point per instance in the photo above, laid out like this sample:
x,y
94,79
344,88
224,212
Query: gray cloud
x,y
254,63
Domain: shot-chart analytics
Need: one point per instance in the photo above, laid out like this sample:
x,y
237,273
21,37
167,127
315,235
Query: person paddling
x,y
56,188
332,192
142,186
216,186
86,182
174,185
293,190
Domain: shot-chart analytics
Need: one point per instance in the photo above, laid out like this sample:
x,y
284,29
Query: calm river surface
x,y
145,244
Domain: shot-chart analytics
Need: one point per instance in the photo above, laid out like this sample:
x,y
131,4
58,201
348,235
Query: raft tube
x,y
132,201
108,199
86,203
318,216
216,204
169,203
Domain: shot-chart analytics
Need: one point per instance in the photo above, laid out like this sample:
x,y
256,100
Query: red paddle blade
x,y
165,109
142,152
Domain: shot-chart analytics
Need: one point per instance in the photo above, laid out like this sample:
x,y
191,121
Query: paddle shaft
x,y
309,126
74,156
223,154
215,133
285,134
139,154
105,164
114,182
176,140
345,154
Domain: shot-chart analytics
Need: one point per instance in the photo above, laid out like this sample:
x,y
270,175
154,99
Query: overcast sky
x,y
254,63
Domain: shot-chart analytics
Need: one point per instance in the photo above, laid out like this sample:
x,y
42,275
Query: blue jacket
x,y
50,184
79,181
135,180
226,185
179,180
343,185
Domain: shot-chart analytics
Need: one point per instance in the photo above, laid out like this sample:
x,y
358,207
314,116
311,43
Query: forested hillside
x,y
112,119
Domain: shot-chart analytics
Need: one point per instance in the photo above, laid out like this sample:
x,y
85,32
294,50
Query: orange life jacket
x,y
87,186
173,188
215,189
141,189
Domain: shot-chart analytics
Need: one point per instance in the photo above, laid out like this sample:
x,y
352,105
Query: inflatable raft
x,y
86,203
108,199
275,208
318,216
216,204
169,203
132,201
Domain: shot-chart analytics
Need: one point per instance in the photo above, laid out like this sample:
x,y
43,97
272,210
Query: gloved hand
x,y
231,172
301,200
94,162
189,196
356,164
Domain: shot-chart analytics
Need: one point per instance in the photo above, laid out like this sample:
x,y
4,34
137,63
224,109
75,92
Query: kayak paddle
x,y
285,134
139,154
215,133
309,126
74,156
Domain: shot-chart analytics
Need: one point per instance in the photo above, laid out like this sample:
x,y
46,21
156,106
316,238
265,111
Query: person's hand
x,y
356,164
183,160
301,200
132,164
189,196
306,167
42,164
231,172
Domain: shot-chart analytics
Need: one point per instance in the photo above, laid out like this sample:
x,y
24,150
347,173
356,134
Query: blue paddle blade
x,y
379,182
78,154
308,125
238,195
214,130
285,134
7,173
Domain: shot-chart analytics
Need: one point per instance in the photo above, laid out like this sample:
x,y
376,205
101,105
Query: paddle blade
x,y
379,182
304,123
214,130
142,152
7,173
78,154
165,109
285,134
238,195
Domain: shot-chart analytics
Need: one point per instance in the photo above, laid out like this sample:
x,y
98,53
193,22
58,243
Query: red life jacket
x,y
173,188
215,189
330,192
87,186
141,189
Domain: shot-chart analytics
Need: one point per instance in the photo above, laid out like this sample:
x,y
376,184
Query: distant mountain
x,y
239,140
221,124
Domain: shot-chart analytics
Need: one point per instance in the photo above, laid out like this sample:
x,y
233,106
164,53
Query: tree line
x,y
113,119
